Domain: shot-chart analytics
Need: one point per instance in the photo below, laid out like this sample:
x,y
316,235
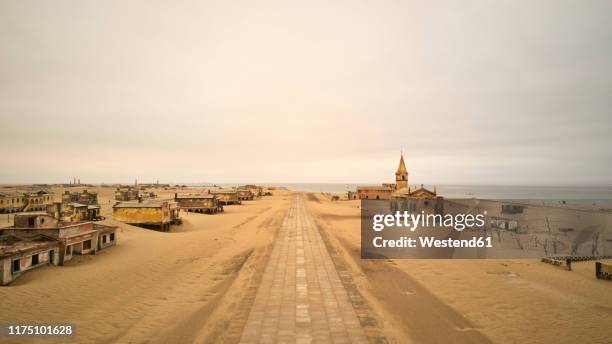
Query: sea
x,y
569,192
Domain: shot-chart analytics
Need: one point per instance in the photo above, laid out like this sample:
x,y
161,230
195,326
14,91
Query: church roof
x,y
401,169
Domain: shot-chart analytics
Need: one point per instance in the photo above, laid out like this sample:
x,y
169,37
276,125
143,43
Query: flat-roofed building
x,y
83,197
245,195
126,194
25,252
226,197
107,236
11,202
18,201
73,237
374,192
198,203
157,215
38,239
73,212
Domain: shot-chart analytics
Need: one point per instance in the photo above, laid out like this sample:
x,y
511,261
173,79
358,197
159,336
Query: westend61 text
x,y
431,242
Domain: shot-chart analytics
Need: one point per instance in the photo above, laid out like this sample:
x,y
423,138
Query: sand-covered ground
x,y
197,283
190,284
468,301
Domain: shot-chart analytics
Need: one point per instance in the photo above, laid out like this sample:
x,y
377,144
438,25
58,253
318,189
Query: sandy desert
x,y
197,283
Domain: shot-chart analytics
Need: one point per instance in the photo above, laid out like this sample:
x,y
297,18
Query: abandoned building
x,y
15,201
256,190
38,239
106,236
84,197
401,189
126,194
73,212
21,253
199,203
244,195
374,192
158,215
226,197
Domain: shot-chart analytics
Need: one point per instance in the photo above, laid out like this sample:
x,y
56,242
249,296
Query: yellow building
x,y
198,203
14,201
154,214
226,196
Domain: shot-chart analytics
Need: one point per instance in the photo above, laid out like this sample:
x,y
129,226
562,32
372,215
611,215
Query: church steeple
x,y
401,175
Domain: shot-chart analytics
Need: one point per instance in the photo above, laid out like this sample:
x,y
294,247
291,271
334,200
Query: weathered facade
x,y
255,189
126,194
157,215
226,197
38,239
244,195
84,197
15,201
72,237
107,236
374,192
198,203
21,253
73,212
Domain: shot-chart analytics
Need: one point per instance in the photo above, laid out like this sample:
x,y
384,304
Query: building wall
x,y
374,194
107,240
18,202
25,263
39,221
227,197
142,215
196,202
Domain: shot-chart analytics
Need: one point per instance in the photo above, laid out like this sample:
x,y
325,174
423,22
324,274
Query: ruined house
x,y
198,203
244,194
106,236
16,201
226,197
73,212
84,197
71,237
158,215
20,253
374,192
126,194
255,189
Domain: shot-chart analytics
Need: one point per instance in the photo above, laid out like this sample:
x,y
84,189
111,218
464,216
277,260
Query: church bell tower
x,y
401,175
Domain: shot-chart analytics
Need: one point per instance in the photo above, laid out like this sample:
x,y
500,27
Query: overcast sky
x,y
474,92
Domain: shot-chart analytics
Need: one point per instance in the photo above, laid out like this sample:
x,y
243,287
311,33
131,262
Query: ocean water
x,y
574,192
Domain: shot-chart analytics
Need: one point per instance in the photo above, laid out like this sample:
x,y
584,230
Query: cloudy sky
x,y
474,92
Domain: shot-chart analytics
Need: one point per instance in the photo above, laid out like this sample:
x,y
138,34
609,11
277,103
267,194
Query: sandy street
x,y
156,287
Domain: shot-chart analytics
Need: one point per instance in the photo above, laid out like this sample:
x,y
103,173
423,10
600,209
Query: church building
x,y
401,188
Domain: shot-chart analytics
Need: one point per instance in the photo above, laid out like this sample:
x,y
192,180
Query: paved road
x,y
301,298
